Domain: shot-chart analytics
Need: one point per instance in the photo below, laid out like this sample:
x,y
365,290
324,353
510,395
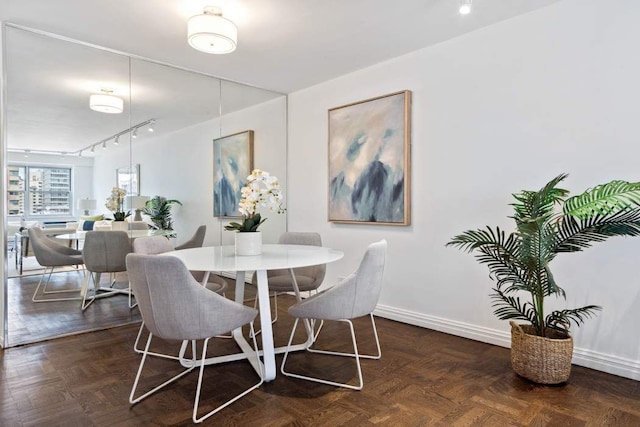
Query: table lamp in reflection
x,y
86,205
137,203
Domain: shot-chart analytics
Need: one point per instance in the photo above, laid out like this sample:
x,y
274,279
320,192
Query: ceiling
x,y
283,46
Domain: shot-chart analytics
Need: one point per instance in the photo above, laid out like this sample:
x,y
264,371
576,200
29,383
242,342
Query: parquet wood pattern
x,y
30,322
425,378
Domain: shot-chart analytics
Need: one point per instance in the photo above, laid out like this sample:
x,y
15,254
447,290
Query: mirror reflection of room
x,y
95,140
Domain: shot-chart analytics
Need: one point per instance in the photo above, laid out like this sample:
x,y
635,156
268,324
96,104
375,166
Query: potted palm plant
x,y
159,210
541,349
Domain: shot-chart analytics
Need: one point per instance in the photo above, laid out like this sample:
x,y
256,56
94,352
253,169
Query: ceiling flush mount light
x,y
211,33
465,7
106,103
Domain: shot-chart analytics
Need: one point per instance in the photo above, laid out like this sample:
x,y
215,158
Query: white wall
x,y
496,111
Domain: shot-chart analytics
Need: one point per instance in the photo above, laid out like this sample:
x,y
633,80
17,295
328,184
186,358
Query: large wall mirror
x,y
61,155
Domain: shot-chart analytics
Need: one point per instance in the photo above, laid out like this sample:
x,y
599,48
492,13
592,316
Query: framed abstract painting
x,y
369,161
232,163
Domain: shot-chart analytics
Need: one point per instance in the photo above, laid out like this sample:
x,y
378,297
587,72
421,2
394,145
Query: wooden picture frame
x,y
129,179
370,161
232,164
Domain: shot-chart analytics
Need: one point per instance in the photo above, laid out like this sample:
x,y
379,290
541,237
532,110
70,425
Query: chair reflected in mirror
x,y
50,255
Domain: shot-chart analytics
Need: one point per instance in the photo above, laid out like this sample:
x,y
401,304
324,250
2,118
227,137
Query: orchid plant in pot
x,y
261,190
115,203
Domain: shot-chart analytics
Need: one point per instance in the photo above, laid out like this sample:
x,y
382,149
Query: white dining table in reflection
x,y
134,234
223,258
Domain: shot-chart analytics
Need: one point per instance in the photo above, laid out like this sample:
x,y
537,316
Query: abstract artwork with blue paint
x,y
232,163
369,161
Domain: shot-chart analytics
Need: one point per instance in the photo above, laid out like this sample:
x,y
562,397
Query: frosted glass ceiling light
x,y
106,103
211,33
465,7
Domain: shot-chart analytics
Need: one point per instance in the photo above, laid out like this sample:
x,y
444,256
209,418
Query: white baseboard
x,y
582,357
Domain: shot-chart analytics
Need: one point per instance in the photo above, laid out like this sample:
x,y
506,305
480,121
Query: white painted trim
x,y
590,359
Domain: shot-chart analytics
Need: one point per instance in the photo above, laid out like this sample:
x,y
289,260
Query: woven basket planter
x,y
540,359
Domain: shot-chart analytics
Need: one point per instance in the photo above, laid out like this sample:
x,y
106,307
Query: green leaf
x,y
562,319
604,199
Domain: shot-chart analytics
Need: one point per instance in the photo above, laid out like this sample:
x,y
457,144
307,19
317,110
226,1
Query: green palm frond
x,y
519,262
561,319
604,199
575,235
538,205
474,239
503,267
508,307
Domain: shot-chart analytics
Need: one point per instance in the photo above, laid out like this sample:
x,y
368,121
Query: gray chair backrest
x,y
355,296
106,251
174,306
316,272
152,245
49,253
196,241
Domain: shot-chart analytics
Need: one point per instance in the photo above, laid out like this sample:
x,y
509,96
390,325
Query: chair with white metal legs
x,y
50,255
155,245
196,241
212,281
104,252
175,307
355,296
307,278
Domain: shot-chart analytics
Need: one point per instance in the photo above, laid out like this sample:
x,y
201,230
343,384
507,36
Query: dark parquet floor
x,y
424,378
29,322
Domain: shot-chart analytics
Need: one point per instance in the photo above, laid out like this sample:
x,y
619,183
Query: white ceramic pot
x,y
249,243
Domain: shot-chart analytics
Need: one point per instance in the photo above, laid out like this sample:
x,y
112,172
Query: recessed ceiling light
x,y
465,7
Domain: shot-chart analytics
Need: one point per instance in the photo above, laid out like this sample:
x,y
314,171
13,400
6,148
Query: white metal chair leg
x,y
362,356
228,402
151,353
320,380
94,278
46,292
133,400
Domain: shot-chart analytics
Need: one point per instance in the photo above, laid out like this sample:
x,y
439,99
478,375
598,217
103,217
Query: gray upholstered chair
x,y
175,307
152,245
50,255
355,296
307,278
104,252
155,245
196,241
214,282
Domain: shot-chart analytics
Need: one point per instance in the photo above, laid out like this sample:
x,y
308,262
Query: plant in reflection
x,y
115,203
261,190
159,210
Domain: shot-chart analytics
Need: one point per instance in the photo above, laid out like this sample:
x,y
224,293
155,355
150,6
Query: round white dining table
x,y
223,258
134,234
